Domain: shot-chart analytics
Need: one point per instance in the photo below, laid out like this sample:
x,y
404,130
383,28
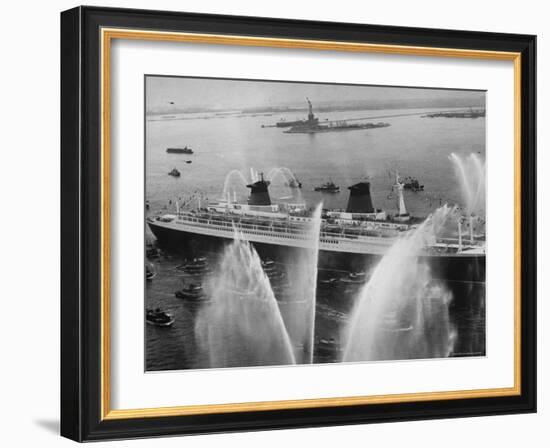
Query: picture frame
x,y
86,210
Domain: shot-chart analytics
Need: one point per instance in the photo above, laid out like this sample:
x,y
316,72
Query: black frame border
x,y
81,223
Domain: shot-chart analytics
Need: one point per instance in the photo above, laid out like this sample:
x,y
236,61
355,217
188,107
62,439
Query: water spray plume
x,y
287,177
471,175
243,325
302,275
402,311
234,174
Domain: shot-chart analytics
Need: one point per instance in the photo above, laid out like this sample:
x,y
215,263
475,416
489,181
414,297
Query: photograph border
x,y
180,410
86,37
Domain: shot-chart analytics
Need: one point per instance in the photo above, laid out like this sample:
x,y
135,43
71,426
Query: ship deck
x,y
373,242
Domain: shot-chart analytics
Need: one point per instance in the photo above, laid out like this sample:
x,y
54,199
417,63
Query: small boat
x,y
327,346
354,278
185,150
159,318
327,341
410,183
188,161
174,173
199,272
357,276
269,265
150,274
327,282
328,187
192,291
196,265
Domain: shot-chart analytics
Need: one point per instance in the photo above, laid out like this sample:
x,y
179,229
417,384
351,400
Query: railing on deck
x,y
285,231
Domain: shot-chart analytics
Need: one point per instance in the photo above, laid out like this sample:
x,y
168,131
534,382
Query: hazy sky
x,y
224,94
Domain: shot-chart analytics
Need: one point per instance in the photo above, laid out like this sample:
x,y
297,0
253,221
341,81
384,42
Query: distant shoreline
x,y
320,109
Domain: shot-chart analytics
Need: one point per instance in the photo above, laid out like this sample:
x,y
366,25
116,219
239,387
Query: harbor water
x,y
412,145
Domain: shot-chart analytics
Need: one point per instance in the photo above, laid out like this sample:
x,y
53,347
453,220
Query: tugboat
x,y
174,173
328,187
185,150
410,183
194,291
159,318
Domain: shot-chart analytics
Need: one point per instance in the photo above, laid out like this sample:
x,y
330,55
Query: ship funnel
x,y
359,198
259,194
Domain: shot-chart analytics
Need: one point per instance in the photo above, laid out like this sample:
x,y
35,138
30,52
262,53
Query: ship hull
x,y
460,268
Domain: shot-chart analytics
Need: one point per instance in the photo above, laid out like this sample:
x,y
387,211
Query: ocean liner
x,y
348,239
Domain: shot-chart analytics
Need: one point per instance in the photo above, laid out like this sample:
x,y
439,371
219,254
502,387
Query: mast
x,y
459,235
